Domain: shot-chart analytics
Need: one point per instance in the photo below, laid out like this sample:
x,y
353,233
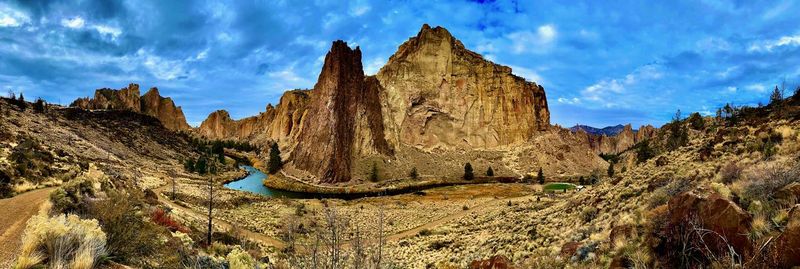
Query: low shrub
x,y
70,196
63,241
161,217
131,239
240,259
763,184
6,189
730,173
589,213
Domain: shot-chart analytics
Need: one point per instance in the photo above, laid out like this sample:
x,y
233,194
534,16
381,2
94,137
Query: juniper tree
x,y
373,174
413,174
489,172
610,169
275,161
540,176
468,172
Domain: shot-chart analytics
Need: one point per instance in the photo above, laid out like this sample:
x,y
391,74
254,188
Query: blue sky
x,y
601,62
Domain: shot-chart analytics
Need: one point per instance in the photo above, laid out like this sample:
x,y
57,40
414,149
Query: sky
x,y
601,62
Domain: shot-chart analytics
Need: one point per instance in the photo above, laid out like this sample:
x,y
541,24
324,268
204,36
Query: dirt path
x,y
14,215
267,240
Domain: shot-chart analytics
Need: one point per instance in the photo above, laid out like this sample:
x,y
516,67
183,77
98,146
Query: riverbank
x,y
282,182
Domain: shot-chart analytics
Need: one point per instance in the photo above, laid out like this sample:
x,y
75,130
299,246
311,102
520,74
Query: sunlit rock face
x,y
433,106
439,94
128,98
280,123
344,112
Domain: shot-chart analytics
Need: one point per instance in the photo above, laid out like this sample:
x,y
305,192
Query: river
x,y
254,182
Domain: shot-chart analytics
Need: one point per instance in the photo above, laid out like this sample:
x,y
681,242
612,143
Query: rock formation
x,y
625,139
439,94
128,98
434,106
343,102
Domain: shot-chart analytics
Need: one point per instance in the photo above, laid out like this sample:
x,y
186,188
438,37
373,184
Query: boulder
x,y
495,262
784,252
722,217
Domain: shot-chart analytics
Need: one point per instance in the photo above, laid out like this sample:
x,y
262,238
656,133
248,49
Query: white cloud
x,y
731,89
10,17
539,42
114,32
162,68
373,66
307,41
74,23
608,91
358,8
756,87
528,74
569,101
771,44
547,33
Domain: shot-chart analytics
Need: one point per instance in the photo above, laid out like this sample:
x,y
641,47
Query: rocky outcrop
x,y
726,223
441,95
434,106
128,98
618,143
785,252
343,112
280,123
163,109
495,262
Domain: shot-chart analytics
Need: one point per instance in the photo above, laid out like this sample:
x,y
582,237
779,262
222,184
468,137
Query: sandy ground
x,y
14,214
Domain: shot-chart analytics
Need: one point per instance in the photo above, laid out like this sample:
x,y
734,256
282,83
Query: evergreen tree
x,y
582,180
189,165
610,169
201,166
39,105
776,97
274,164
594,179
413,174
540,176
468,172
489,172
373,174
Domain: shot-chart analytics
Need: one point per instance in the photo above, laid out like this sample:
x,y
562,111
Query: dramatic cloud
x,y
600,63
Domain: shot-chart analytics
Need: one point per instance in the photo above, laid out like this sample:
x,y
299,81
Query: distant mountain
x,y
608,130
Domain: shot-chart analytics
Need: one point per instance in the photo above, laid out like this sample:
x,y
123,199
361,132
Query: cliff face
x,y
434,106
624,140
280,123
343,102
128,98
439,94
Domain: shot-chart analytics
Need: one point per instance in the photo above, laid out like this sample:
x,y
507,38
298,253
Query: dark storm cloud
x,y
601,63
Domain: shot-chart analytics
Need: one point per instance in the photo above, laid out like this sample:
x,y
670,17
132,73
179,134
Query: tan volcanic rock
x,y
433,107
128,98
618,143
279,123
439,94
164,109
343,104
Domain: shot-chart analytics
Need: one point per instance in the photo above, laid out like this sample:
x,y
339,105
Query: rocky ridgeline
x,y
614,144
151,103
434,96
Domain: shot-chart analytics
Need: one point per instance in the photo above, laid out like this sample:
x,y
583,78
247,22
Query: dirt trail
x,y
14,215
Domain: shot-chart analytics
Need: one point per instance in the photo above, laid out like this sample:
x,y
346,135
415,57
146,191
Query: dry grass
x,y
63,241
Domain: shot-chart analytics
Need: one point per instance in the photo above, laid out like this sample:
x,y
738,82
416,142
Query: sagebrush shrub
x,y
63,241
